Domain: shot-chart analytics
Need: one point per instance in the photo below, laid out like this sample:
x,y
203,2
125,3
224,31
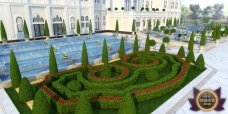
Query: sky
x,y
203,3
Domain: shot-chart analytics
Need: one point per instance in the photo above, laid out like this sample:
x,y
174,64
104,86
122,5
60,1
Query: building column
x,y
67,23
49,20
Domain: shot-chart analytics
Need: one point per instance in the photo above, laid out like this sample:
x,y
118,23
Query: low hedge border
x,y
124,73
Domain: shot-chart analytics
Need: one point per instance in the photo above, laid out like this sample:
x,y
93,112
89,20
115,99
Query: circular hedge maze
x,y
135,78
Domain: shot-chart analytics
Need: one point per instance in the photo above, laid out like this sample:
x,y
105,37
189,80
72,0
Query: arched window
x,y
38,24
57,25
19,21
86,18
82,18
72,22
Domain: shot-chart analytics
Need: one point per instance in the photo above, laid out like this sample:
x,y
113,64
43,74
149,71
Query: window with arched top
x,y
86,18
19,21
82,18
72,22
38,24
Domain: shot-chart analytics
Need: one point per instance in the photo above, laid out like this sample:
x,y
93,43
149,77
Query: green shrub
x,y
173,30
40,104
191,57
74,85
136,45
151,75
122,48
84,106
162,28
203,38
3,34
78,28
26,91
181,52
46,29
106,70
152,42
147,44
166,39
200,64
25,29
15,73
162,48
127,106
53,67
84,57
166,31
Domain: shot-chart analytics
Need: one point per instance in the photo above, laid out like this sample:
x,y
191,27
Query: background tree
x,y
218,13
200,64
106,70
166,39
136,45
90,27
181,52
84,57
25,30
3,34
53,67
147,44
203,38
133,26
191,42
162,48
191,57
26,92
149,25
40,104
78,28
127,106
46,29
64,28
122,48
84,106
15,73
117,27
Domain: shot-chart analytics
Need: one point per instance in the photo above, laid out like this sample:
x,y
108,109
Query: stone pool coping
x,y
182,96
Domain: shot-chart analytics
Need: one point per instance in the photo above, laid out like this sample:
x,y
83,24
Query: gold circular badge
x,y
207,100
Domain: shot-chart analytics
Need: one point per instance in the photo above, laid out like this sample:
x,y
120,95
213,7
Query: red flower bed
x,y
124,73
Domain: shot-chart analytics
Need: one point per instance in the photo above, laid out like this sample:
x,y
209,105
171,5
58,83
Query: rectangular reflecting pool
x,y
33,56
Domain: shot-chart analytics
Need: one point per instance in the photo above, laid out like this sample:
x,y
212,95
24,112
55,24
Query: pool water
x,y
33,56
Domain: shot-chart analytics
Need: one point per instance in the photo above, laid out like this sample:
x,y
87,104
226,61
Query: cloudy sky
x,y
203,3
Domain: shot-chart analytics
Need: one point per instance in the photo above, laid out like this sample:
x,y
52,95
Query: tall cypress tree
x,y
3,34
203,38
106,71
15,73
136,45
191,57
46,29
40,104
64,28
90,27
84,56
147,44
200,64
117,26
133,26
162,48
25,29
191,42
149,24
26,92
181,52
78,28
122,48
53,67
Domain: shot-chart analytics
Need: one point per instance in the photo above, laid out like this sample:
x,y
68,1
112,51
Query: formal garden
x,y
137,83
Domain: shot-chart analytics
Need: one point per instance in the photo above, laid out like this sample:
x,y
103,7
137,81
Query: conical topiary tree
x,y
15,73
90,27
127,106
84,56
203,38
133,26
149,25
26,92
200,64
78,28
136,45
53,67
191,42
46,29
147,44
41,104
191,57
181,52
117,27
106,70
162,48
84,106
64,28
25,29
3,34
122,48
226,31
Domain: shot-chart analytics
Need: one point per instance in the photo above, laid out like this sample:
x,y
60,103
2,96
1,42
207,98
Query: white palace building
x,y
102,13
